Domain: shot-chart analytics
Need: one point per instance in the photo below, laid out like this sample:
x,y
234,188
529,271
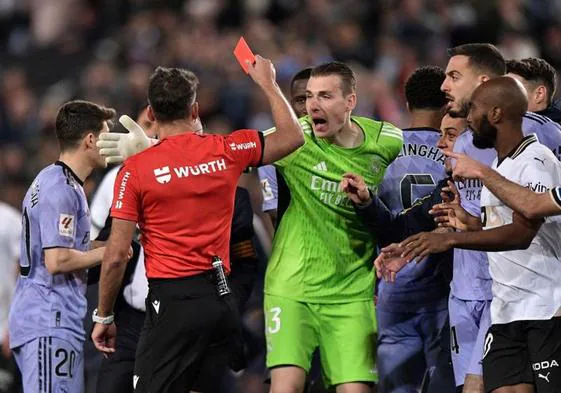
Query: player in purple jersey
x,y
413,311
539,79
522,349
46,317
470,292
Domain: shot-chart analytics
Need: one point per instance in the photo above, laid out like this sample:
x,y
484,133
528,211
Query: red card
x,y
243,53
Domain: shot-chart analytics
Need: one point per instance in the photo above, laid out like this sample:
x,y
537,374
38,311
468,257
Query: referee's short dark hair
x,y
485,58
537,72
422,89
76,119
171,92
347,75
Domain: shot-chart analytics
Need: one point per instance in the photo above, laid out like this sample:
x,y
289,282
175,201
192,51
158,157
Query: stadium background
x,y
104,51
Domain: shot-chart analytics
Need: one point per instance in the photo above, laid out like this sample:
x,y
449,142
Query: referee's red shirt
x,y
181,193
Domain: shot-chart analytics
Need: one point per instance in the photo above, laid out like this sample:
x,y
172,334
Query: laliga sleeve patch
x,y
66,225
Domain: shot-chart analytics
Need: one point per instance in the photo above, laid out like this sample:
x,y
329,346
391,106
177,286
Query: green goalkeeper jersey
x,y
322,251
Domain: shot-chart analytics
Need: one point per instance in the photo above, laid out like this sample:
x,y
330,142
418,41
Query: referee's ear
x,y
150,113
195,111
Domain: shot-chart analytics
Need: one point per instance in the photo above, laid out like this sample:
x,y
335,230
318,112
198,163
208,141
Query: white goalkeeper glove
x,y
117,147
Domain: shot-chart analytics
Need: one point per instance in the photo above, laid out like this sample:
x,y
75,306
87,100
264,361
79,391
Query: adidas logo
x,y
321,166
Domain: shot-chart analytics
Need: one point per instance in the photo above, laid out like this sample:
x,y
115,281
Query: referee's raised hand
x,y
262,72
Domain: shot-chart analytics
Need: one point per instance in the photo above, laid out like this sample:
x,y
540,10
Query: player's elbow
x,y
53,267
56,260
116,258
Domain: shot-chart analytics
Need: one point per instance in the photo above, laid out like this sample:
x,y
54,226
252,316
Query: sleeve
x,y
241,241
379,220
126,194
246,147
391,139
415,219
101,202
269,187
540,173
555,194
58,216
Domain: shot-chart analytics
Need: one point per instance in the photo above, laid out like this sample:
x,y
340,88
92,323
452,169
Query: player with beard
x,y
470,295
522,349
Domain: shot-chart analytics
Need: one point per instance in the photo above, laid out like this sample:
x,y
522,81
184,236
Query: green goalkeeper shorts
x,y
344,332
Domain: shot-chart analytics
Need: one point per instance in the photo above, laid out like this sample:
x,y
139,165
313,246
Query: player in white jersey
x,y
522,350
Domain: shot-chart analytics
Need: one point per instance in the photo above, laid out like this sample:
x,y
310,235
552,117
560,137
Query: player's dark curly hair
x,y
537,72
485,58
171,92
345,72
422,89
76,119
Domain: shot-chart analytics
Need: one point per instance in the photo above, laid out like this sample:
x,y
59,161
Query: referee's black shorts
x,y
188,328
523,352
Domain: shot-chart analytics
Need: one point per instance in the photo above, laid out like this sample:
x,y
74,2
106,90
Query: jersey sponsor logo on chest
x,y
164,174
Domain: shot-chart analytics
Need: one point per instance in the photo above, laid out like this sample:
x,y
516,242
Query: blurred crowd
x,y
52,51
104,51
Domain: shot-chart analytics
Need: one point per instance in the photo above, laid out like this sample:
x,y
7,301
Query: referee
x,y
116,372
181,194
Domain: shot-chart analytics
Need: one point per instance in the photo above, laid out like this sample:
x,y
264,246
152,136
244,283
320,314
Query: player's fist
x,y
117,147
355,188
104,338
262,72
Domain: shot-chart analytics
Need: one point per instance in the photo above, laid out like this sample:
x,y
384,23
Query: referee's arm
x,y
114,264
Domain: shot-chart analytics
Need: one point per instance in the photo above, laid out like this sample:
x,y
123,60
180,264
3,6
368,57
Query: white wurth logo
x,y
122,188
163,175
243,146
201,169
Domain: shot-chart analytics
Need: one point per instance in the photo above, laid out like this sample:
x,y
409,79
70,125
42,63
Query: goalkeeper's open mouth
x,y
320,124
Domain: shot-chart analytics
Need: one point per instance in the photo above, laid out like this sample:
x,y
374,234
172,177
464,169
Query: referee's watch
x,y
108,320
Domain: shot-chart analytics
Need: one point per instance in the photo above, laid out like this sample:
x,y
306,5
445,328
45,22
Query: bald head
x,y
504,97
496,111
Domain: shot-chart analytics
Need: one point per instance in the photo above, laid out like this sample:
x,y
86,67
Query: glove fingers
x,y
110,136
114,159
107,144
131,125
109,152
